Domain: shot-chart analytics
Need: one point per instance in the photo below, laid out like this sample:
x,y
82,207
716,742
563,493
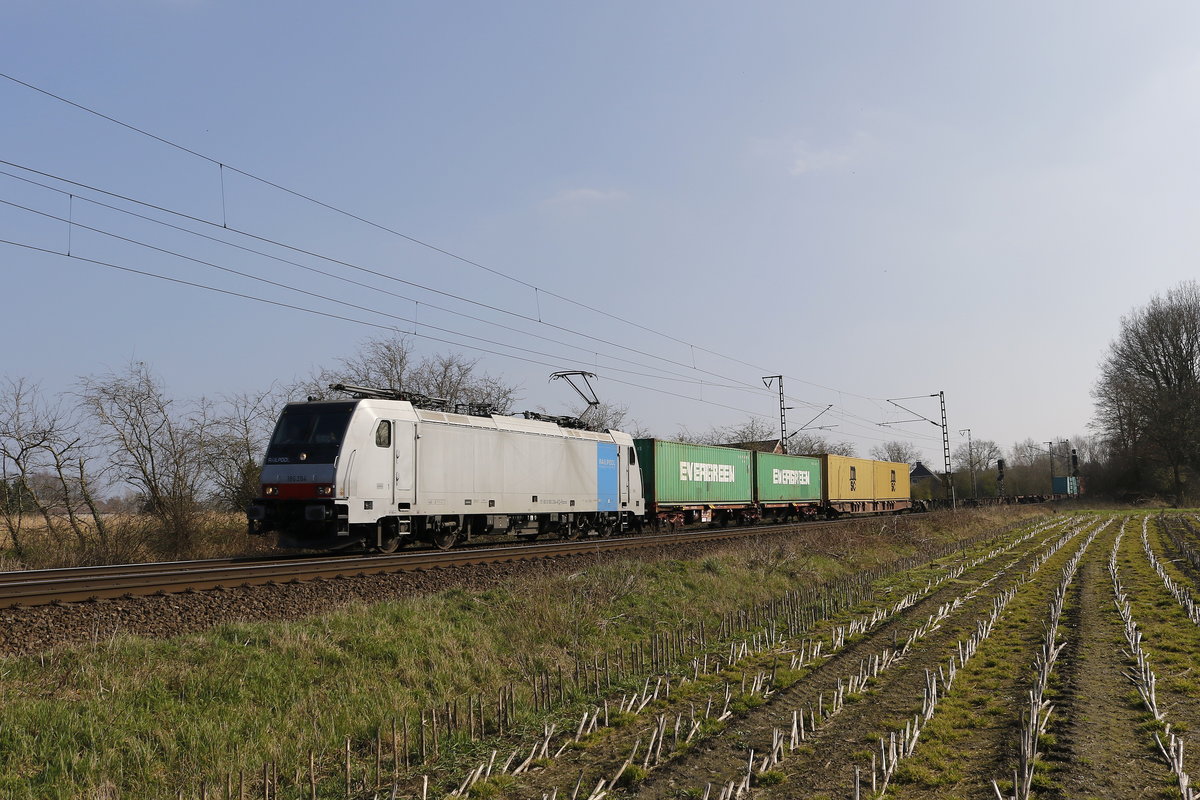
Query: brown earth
x,y
1100,752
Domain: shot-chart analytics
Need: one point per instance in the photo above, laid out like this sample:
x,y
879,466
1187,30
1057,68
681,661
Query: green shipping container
x,y
677,474
787,479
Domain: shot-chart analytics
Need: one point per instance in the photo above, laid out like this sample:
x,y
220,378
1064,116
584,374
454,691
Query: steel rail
x,y
43,587
101,570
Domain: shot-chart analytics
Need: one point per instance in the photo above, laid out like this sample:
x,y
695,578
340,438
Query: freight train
x,y
378,470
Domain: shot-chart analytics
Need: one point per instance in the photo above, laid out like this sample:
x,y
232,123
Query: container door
x,y
406,465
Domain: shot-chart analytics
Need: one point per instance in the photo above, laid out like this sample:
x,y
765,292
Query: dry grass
x,y
130,538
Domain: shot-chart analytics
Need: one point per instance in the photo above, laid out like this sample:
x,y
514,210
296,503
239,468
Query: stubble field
x,y
968,657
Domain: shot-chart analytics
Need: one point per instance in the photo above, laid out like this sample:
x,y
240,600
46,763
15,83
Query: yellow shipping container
x,y
864,486
848,479
891,481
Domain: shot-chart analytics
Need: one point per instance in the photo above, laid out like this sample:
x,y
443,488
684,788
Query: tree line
x,y
118,469
1147,398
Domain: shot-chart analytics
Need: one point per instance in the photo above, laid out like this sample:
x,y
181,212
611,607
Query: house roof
x,y
765,446
921,472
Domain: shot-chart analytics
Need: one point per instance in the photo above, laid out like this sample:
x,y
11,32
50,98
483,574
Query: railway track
x,y
76,584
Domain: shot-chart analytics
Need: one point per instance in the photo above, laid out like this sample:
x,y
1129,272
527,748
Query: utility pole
x,y
946,452
1050,450
945,436
782,410
971,462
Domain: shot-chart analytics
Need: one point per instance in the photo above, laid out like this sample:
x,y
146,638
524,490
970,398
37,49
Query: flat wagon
x,y
863,486
684,483
786,486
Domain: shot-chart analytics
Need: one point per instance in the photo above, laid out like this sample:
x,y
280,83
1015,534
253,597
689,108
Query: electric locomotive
x,y
379,469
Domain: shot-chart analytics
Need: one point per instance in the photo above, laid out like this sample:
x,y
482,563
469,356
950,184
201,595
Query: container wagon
x,y
787,486
863,486
686,483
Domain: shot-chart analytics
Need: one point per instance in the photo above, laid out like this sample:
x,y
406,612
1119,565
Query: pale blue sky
x,y
880,199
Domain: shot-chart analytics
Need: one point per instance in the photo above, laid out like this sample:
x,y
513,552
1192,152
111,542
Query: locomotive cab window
x,y
310,432
632,457
383,434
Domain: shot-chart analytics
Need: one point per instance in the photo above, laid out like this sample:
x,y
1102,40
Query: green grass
x,y
981,698
150,717
772,777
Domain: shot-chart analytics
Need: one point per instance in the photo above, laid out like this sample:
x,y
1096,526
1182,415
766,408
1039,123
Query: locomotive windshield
x,y
309,432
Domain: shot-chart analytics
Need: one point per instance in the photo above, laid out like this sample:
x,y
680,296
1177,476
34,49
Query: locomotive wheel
x,y
390,545
571,531
444,537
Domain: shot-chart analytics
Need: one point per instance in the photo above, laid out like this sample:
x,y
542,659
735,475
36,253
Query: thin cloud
x,y
802,157
806,158
577,198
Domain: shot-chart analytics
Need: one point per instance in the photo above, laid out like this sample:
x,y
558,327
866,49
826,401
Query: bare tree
x,y
814,444
1027,468
970,459
157,445
455,379
44,470
611,417
899,451
754,429
236,442
390,363
758,429
1148,395
974,455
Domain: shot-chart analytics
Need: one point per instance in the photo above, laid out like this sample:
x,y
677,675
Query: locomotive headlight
x,y
270,491
325,491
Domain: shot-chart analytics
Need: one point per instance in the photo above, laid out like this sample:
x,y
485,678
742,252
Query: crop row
x,y
804,720
901,741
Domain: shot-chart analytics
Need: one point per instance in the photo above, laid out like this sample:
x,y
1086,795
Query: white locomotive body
x,y
374,472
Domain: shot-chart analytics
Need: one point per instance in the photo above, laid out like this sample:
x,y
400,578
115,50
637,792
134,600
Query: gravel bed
x,y
33,630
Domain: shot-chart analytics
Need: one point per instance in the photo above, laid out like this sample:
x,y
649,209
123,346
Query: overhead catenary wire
x,y
318,295
846,415
353,320
746,386
343,318
223,225
72,222
221,165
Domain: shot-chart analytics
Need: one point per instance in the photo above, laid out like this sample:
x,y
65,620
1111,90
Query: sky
x,y
877,201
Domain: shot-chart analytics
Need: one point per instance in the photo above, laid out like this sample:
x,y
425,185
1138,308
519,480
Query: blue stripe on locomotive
x,y
606,476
